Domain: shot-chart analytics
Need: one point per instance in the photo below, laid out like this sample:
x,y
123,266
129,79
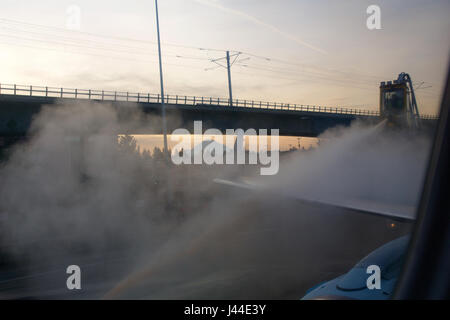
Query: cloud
x,y
216,5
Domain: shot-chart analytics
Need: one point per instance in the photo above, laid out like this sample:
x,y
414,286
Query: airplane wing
x,y
402,213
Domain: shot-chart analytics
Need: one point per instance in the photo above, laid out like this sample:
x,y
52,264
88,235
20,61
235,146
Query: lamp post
x,y
163,107
168,195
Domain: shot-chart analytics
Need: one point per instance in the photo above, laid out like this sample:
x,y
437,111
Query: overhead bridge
x,y
18,105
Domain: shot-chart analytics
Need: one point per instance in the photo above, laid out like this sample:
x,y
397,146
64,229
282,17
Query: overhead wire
x,y
63,37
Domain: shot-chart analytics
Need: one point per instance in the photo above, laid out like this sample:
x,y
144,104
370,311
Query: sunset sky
x,y
306,52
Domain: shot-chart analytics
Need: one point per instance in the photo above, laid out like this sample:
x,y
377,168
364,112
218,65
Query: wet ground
x,y
268,250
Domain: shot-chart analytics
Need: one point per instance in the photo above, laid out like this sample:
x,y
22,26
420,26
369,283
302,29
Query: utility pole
x,y
229,79
228,67
168,194
163,106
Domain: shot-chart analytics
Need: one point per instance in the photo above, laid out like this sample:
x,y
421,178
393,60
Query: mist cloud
x,y
71,192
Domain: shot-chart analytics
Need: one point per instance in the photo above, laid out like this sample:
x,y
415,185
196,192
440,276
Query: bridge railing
x,y
105,95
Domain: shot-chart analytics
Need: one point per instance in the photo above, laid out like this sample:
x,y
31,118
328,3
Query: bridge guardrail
x,y
105,95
